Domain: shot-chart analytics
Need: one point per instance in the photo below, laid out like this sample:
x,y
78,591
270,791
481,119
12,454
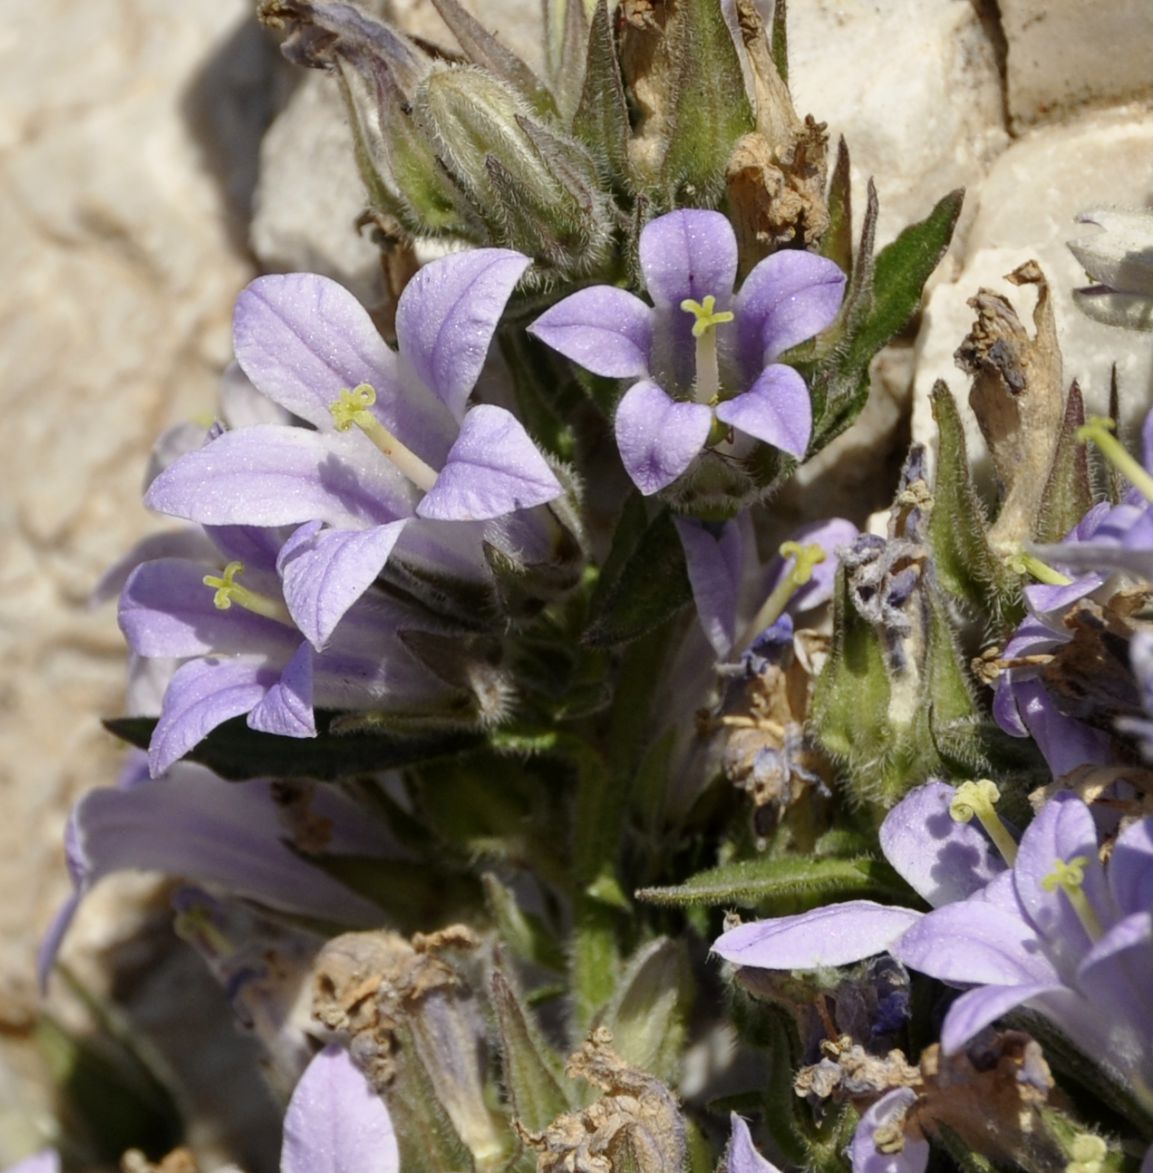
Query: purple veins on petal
x,y
689,253
447,315
604,329
788,297
776,410
336,1123
324,572
658,437
493,468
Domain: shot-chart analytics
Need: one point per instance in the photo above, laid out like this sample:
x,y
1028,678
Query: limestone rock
x,y
1063,54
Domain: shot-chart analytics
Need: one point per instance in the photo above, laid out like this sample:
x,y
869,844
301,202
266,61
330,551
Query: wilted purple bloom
x,y
336,1123
391,445
700,355
192,824
941,859
731,588
1060,934
742,1156
243,653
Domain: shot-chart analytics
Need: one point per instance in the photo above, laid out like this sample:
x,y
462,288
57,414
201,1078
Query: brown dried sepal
x,y
635,1124
364,982
989,1097
769,712
776,175
1018,400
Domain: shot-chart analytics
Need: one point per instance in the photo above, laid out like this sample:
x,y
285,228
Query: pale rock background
x,y
130,144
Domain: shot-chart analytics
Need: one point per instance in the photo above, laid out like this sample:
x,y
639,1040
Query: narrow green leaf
x,y
236,752
522,934
651,587
786,880
899,277
528,1066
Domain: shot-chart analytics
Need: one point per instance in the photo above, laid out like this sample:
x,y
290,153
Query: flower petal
x,y
447,315
976,1009
689,253
913,1157
1063,831
271,475
286,708
493,468
831,536
941,859
975,941
742,1157
336,1123
776,409
604,329
788,297
302,338
1131,868
713,556
167,611
833,935
201,695
658,438
324,571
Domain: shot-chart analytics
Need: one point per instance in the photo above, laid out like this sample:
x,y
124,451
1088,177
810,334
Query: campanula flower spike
x,y
393,443
702,359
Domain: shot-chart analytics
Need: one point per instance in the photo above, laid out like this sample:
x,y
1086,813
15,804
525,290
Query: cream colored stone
x,y
914,88
1063,54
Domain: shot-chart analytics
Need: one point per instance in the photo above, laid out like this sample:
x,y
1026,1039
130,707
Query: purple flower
x,y
191,823
731,589
336,1123
242,653
1059,933
392,452
702,358
942,859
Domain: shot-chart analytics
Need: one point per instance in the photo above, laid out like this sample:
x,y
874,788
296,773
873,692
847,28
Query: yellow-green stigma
x,y
1023,563
1069,878
805,558
978,799
707,387
1099,430
229,591
353,407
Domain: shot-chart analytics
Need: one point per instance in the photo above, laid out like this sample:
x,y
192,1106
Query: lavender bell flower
x,y
702,358
1061,934
880,1143
192,824
336,1123
243,653
941,858
392,444
731,590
